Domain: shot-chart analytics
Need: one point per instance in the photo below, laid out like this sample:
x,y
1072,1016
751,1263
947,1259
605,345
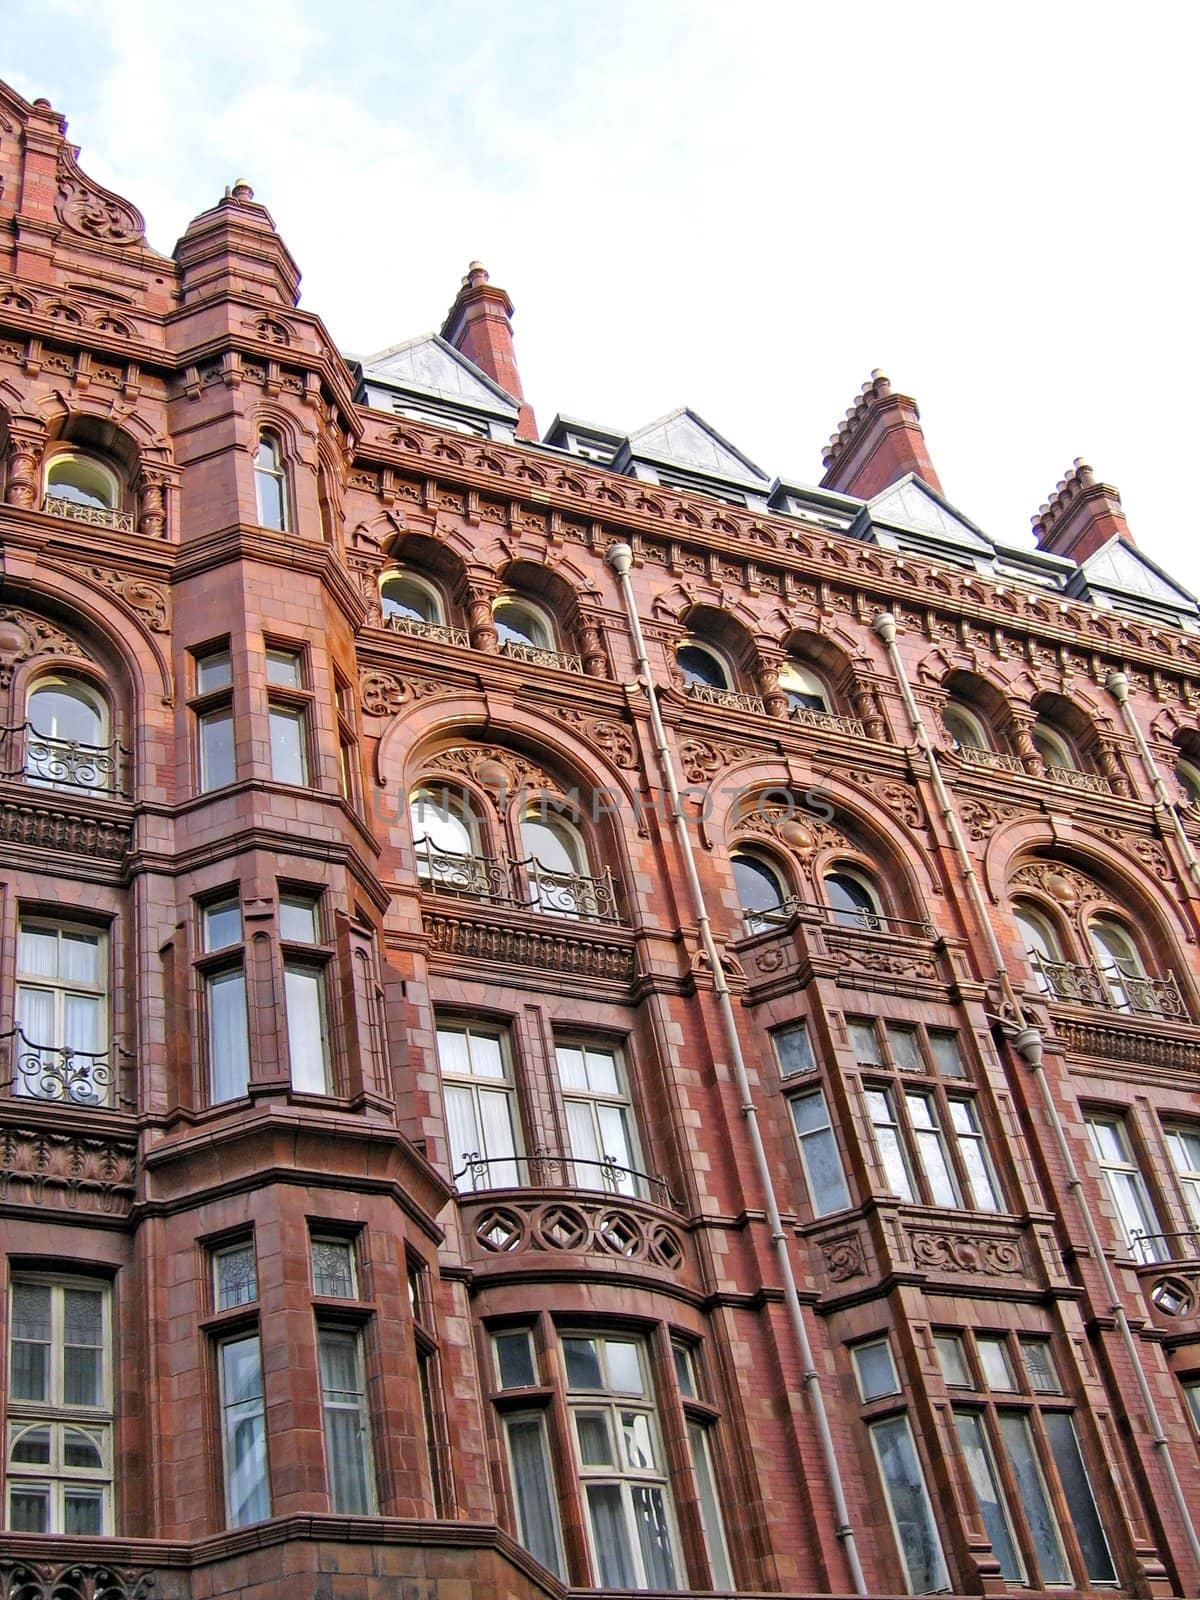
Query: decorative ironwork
x,y
418,628
50,1072
708,695
544,1170
813,717
997,760
94,516
1114,987
539,657
1072,778
1152,1248
78,1580
858,921
49,763
502,880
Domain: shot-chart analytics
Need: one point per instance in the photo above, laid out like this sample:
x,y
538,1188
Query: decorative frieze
x,y
578,1226
68,1170
499,939
48,827
982,1254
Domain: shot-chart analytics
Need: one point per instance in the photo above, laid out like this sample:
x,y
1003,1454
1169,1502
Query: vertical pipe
x,y
1118,687
620,559
1028,1043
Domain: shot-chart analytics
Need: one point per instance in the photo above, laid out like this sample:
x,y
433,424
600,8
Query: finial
x,y
241,190
476,274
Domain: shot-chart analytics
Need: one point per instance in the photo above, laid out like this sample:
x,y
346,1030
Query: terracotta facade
x,y
298,1299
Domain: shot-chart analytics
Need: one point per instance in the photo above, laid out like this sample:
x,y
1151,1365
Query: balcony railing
x,y
50,763
50,1072
502,880
537,656
997,760
812,717
863,921
417,628
1153,1249
1072,778
546,1170
1114,988
710,696
93,516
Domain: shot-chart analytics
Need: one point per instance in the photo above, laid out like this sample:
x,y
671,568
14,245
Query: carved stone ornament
x,y
23,635
149,600
897,797
1051,876
952,1252
844,1257
981,820
48,827
579,1227
1148,851
609,738
69,1170
500,772
702,760
475,936
78,1580
269,329
92,212
383,694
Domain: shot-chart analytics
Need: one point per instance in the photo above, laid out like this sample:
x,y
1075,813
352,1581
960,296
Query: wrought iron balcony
x,y
996,760
546,1170
1114,988
1073,778
418,628
1152,1249
502,880
708,695
49,763
94,516
537,656
52,1072
813,717
859,921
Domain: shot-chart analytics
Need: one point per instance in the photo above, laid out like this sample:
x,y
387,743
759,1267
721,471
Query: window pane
x,y
997,1368
946,1055
345,1425
611,1537
31,1448
572,1073
624,1368
216,749
685,1373
908,1502
592,1436
953,1360
222,925
1085,1519
906,1051
283,667
214,671
237,1277
988,1493
1039,1364
298,920
333,1268
537,1517
819,1154
514,1357
82,1449
582,1361
887,1139
650,1514
83,1337
794,1050
83,1511
942,1188
246,1487
28,1509
710,1508
876,1370
288,763
229,1048
1018,1442
30,1341
308,1047
865,1041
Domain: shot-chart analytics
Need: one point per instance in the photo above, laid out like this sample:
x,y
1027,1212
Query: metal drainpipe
x,y
1029,1044
1118,686
620,558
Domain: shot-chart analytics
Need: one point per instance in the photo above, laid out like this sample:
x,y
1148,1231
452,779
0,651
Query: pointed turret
x,y
234,250
479,324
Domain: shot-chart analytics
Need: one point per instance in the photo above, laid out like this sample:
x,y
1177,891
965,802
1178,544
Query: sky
x,y
737,205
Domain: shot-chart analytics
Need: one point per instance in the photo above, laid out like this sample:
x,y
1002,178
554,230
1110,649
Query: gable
x,y
912,504
684,439
430,366
1117,566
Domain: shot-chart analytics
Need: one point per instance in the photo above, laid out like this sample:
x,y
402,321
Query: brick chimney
x,y
1080,516
879,443
479,324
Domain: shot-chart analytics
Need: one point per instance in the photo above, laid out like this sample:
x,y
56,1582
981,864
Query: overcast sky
x,y
731,204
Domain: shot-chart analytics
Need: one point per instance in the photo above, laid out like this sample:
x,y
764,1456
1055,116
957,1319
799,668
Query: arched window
x,y
270,483
1053,748
407,598
521,624
1119,960
1042,943
701,667
804,690
82,480
67,744
760,891
853,900
560,880
1188,774
446,840
966,730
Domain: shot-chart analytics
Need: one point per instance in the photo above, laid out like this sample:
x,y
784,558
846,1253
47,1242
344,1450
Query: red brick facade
x,y
233,1139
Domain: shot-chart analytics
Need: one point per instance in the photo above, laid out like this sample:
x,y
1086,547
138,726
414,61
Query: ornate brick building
x,y
573,1015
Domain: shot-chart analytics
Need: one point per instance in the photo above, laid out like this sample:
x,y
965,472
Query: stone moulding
x,y
47,828
1141,1047
552,949
73,1171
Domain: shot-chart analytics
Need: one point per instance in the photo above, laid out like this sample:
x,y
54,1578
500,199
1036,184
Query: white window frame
x,y
61,989
507,1164
230,1418
627,1175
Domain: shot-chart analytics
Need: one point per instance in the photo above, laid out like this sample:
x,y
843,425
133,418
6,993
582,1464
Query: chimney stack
x,y
879,443
1080,516
479,324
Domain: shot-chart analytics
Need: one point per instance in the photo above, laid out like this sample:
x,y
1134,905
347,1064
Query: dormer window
x,y
81,480
270,483
701,667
